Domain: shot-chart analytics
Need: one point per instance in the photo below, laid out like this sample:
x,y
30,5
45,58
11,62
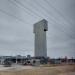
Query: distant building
x,y
40,29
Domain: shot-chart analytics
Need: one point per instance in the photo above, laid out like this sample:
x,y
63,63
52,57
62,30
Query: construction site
x,y
36,66
37,37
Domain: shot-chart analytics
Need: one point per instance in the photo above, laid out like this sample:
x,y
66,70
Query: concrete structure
x,y
40,29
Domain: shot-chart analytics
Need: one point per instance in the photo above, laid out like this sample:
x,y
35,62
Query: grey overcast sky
x,y
16,26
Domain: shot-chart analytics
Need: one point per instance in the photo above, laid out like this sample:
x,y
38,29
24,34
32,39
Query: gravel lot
x,y
29,70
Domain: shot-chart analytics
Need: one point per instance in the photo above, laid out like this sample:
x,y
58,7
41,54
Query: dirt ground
x,y
28,70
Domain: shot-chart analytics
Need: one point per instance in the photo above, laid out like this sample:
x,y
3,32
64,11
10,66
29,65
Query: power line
x,y
22,5
37,8
51,18
23,8
12,16
57,11
40,11
33,6
54,19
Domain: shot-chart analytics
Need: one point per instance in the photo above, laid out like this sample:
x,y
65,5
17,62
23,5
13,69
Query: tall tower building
x,y
40,29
